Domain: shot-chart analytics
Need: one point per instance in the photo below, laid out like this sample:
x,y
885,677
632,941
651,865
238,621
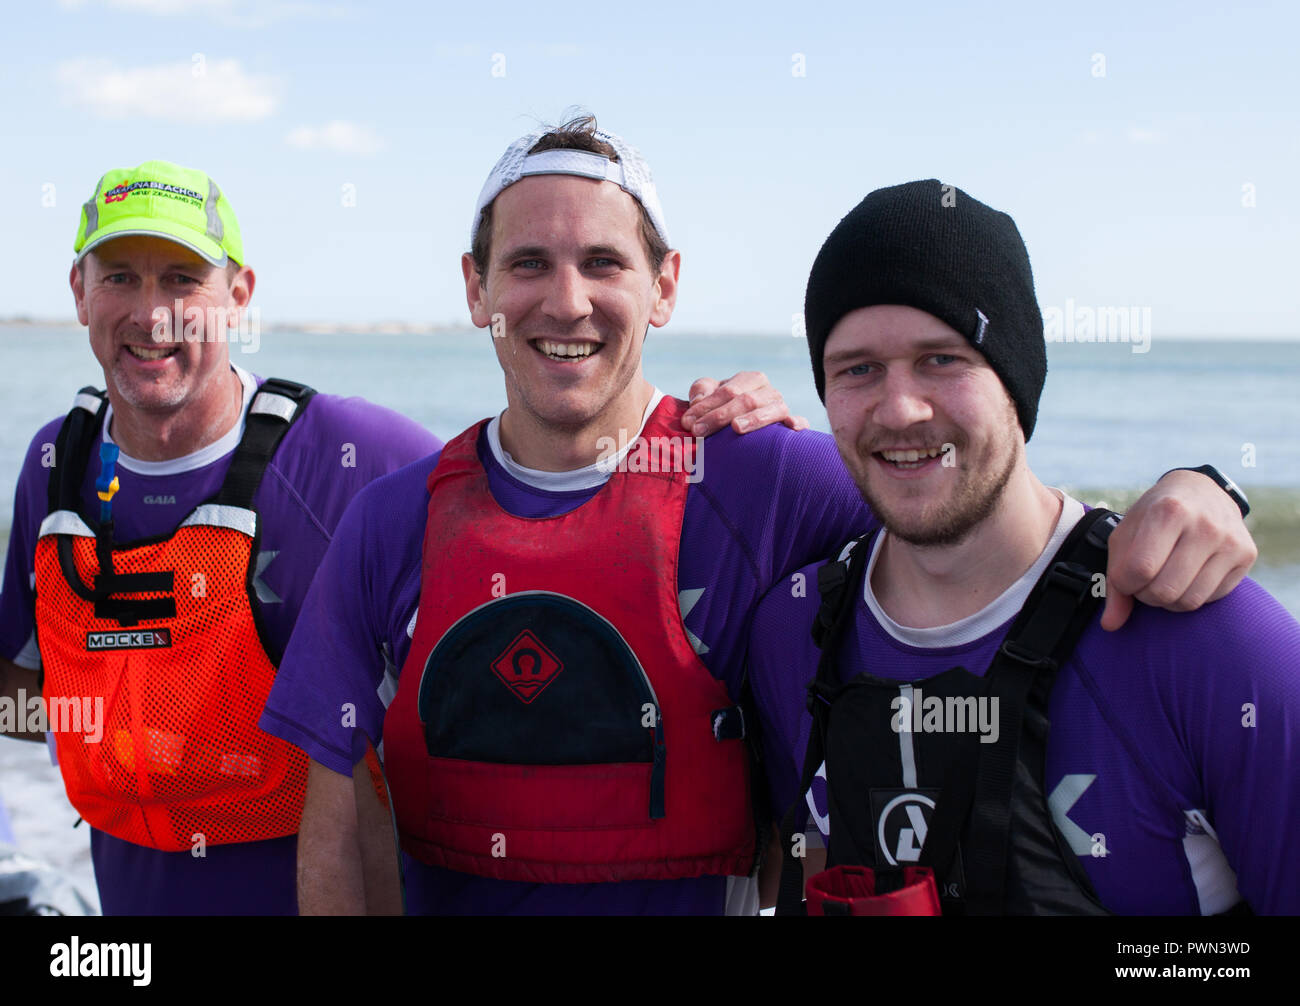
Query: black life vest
x,y
903,802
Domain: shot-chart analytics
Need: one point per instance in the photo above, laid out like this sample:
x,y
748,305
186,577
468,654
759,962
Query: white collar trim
x,y
591,476
996,613
219,448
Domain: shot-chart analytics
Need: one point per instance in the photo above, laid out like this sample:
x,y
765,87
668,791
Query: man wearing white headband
x,y
544,625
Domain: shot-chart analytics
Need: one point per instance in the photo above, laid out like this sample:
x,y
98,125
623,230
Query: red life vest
x,y
553,723
162,635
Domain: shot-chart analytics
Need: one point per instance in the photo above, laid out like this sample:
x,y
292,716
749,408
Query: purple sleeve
x,y
767,503
1242,727
327,693
340,446
17,600
787,494
1208,705
783,660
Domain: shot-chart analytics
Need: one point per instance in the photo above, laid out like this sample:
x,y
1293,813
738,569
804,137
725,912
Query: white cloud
x,y
1136,134
198,91
239,13
337,136
167,7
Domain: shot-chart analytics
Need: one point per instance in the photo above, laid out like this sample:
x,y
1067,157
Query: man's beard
x,y
149,396
952,521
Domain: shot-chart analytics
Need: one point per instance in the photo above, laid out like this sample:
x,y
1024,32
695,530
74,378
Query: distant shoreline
x,y
303,327
430,328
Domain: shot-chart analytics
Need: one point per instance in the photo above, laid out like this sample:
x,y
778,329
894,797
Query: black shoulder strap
x,y
1038,644
1064,599
72,451
834,584
837,583
275,407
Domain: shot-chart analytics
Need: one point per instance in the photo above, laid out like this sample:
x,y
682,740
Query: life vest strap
x,y
1022,673
72,449
836,584
275,407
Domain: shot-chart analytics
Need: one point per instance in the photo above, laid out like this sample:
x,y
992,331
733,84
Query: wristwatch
x,y
1225,483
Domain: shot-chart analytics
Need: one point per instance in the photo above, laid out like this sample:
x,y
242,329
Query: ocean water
x,y
1110,422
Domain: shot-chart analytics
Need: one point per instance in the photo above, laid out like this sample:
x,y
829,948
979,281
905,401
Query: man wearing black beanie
x,y
933,247
985,746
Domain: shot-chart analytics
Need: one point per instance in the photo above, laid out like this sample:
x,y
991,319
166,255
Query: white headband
x,y
630,173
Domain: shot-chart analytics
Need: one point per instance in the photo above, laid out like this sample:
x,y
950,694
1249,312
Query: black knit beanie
x,y
933,247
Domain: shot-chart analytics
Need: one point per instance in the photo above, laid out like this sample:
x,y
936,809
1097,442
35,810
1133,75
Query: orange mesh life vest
x,y
164,633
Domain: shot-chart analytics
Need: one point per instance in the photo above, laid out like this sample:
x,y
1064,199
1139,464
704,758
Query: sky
x,y
1150,153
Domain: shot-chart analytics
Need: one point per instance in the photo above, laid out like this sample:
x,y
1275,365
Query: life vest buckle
x,y
1026,656
820,692
728,724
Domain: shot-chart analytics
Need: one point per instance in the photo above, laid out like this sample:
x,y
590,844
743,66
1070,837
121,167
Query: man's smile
x,y
151,354
565,351
898,460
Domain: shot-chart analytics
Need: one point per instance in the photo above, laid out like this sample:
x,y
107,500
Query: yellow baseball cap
x,y
163,200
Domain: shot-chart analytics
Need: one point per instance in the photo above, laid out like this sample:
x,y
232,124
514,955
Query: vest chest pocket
x,y
537,686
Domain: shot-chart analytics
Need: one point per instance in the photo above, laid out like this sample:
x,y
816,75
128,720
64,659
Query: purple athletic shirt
x,y
1174,747
336,447
768,502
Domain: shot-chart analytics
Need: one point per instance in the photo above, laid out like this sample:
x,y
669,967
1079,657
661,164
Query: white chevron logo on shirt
x,y
264,593
686,600
1065,796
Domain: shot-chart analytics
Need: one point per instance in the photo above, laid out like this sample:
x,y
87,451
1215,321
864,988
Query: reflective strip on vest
x,y
232,517
65,522
87,401
269,403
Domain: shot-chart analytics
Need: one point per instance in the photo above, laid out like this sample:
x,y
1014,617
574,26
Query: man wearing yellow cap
x,y
164,536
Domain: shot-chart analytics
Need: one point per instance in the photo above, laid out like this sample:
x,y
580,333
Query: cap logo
x,y
980,329
119,192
